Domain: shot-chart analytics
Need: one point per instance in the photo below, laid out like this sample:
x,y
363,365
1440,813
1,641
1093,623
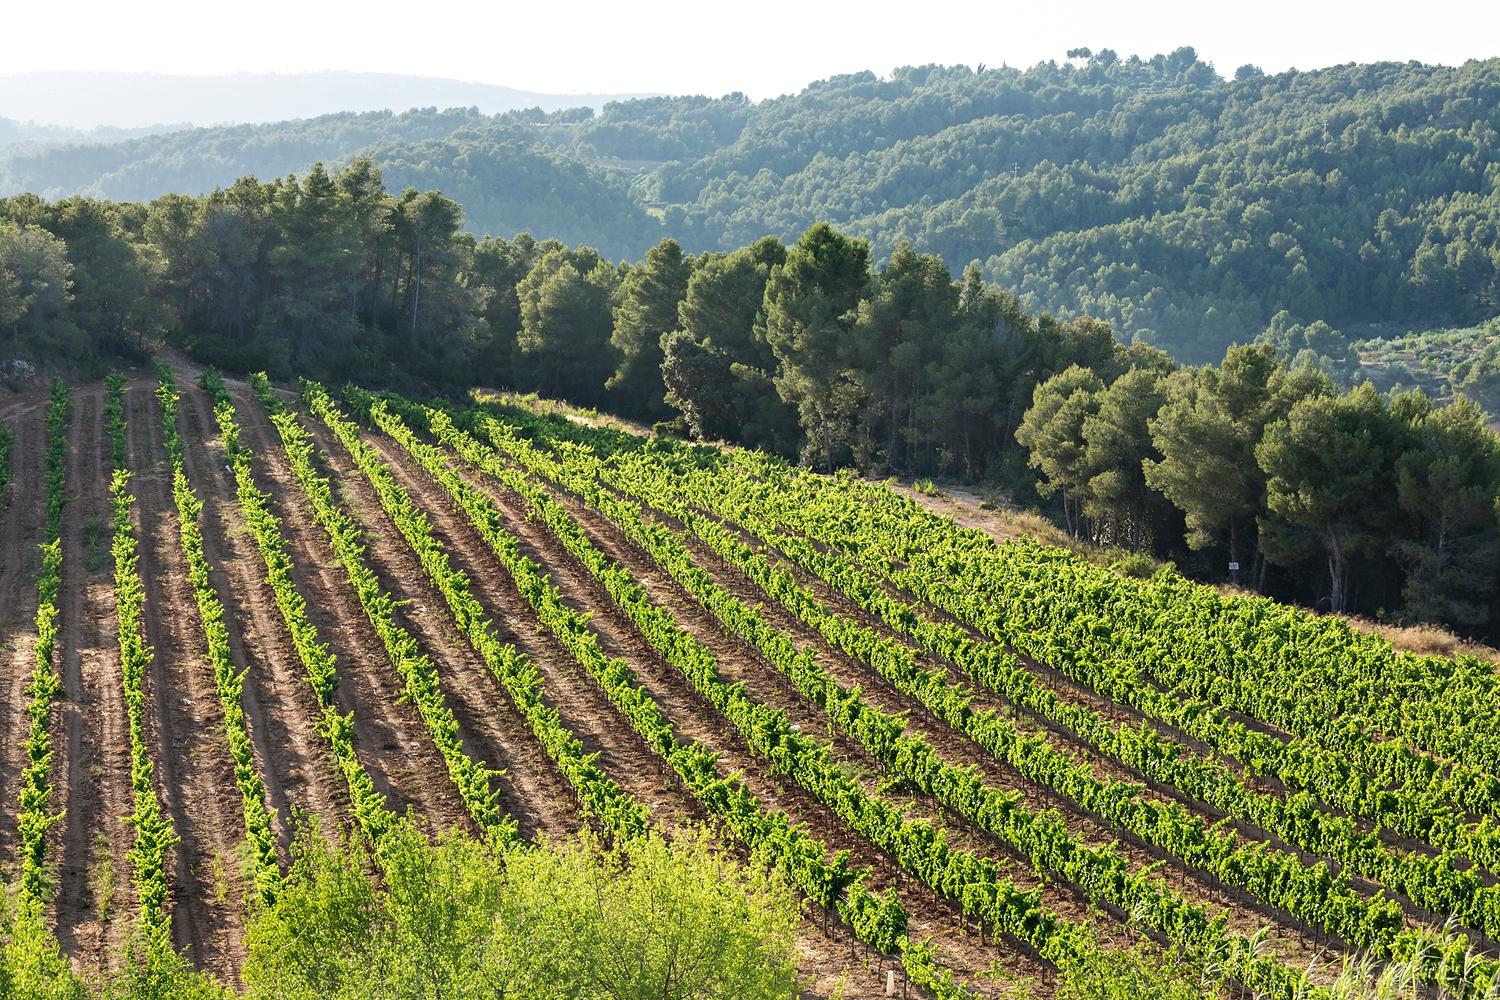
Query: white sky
x,y
761,47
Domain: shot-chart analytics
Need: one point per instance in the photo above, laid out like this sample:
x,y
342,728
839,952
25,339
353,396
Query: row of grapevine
x,y
474,780
228,681
1430,882
770,734
877,920
154,835
1077,649
367,805
46,685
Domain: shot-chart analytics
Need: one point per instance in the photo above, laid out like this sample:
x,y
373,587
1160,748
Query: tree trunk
x,y
416,297
1338,569
1234,550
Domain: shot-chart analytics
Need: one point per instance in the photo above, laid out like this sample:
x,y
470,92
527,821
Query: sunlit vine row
x,y
46,685
154,835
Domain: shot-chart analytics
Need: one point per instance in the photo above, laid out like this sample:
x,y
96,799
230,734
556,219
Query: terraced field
x,y
222,605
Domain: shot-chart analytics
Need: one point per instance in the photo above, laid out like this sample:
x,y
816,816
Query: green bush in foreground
x,y
674,921
649,920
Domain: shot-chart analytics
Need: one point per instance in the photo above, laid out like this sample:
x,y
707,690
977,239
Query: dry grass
x,y
577,414
1425,640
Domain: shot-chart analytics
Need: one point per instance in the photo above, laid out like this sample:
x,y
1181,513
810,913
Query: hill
x,y
1185,208
1441,363
85,100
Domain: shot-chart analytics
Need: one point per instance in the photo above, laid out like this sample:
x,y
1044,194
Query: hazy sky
x,y
762,47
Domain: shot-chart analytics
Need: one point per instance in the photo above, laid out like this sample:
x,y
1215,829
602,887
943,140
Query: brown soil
x,y
22,522
91,765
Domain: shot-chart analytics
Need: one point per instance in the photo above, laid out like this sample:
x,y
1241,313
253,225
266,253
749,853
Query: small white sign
x,y
1234,567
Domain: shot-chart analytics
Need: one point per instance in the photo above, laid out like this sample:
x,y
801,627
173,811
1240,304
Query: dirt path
x,y
23,515
194,770
280,709
694,718
95,902
392,742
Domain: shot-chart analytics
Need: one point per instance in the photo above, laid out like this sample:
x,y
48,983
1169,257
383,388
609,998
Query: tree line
x,y
810,350
1346,497
805,349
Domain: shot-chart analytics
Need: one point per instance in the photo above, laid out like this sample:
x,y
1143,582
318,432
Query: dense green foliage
x,y
810,349
1185,208
803,348
1346,493
642,921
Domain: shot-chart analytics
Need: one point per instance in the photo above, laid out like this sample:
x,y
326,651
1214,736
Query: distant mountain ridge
x,y
86,100
29,134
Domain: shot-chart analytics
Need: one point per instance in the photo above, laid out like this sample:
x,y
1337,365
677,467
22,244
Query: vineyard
x,y
226,608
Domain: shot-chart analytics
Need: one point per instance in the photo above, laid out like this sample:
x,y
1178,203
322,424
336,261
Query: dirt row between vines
x,y
22,521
